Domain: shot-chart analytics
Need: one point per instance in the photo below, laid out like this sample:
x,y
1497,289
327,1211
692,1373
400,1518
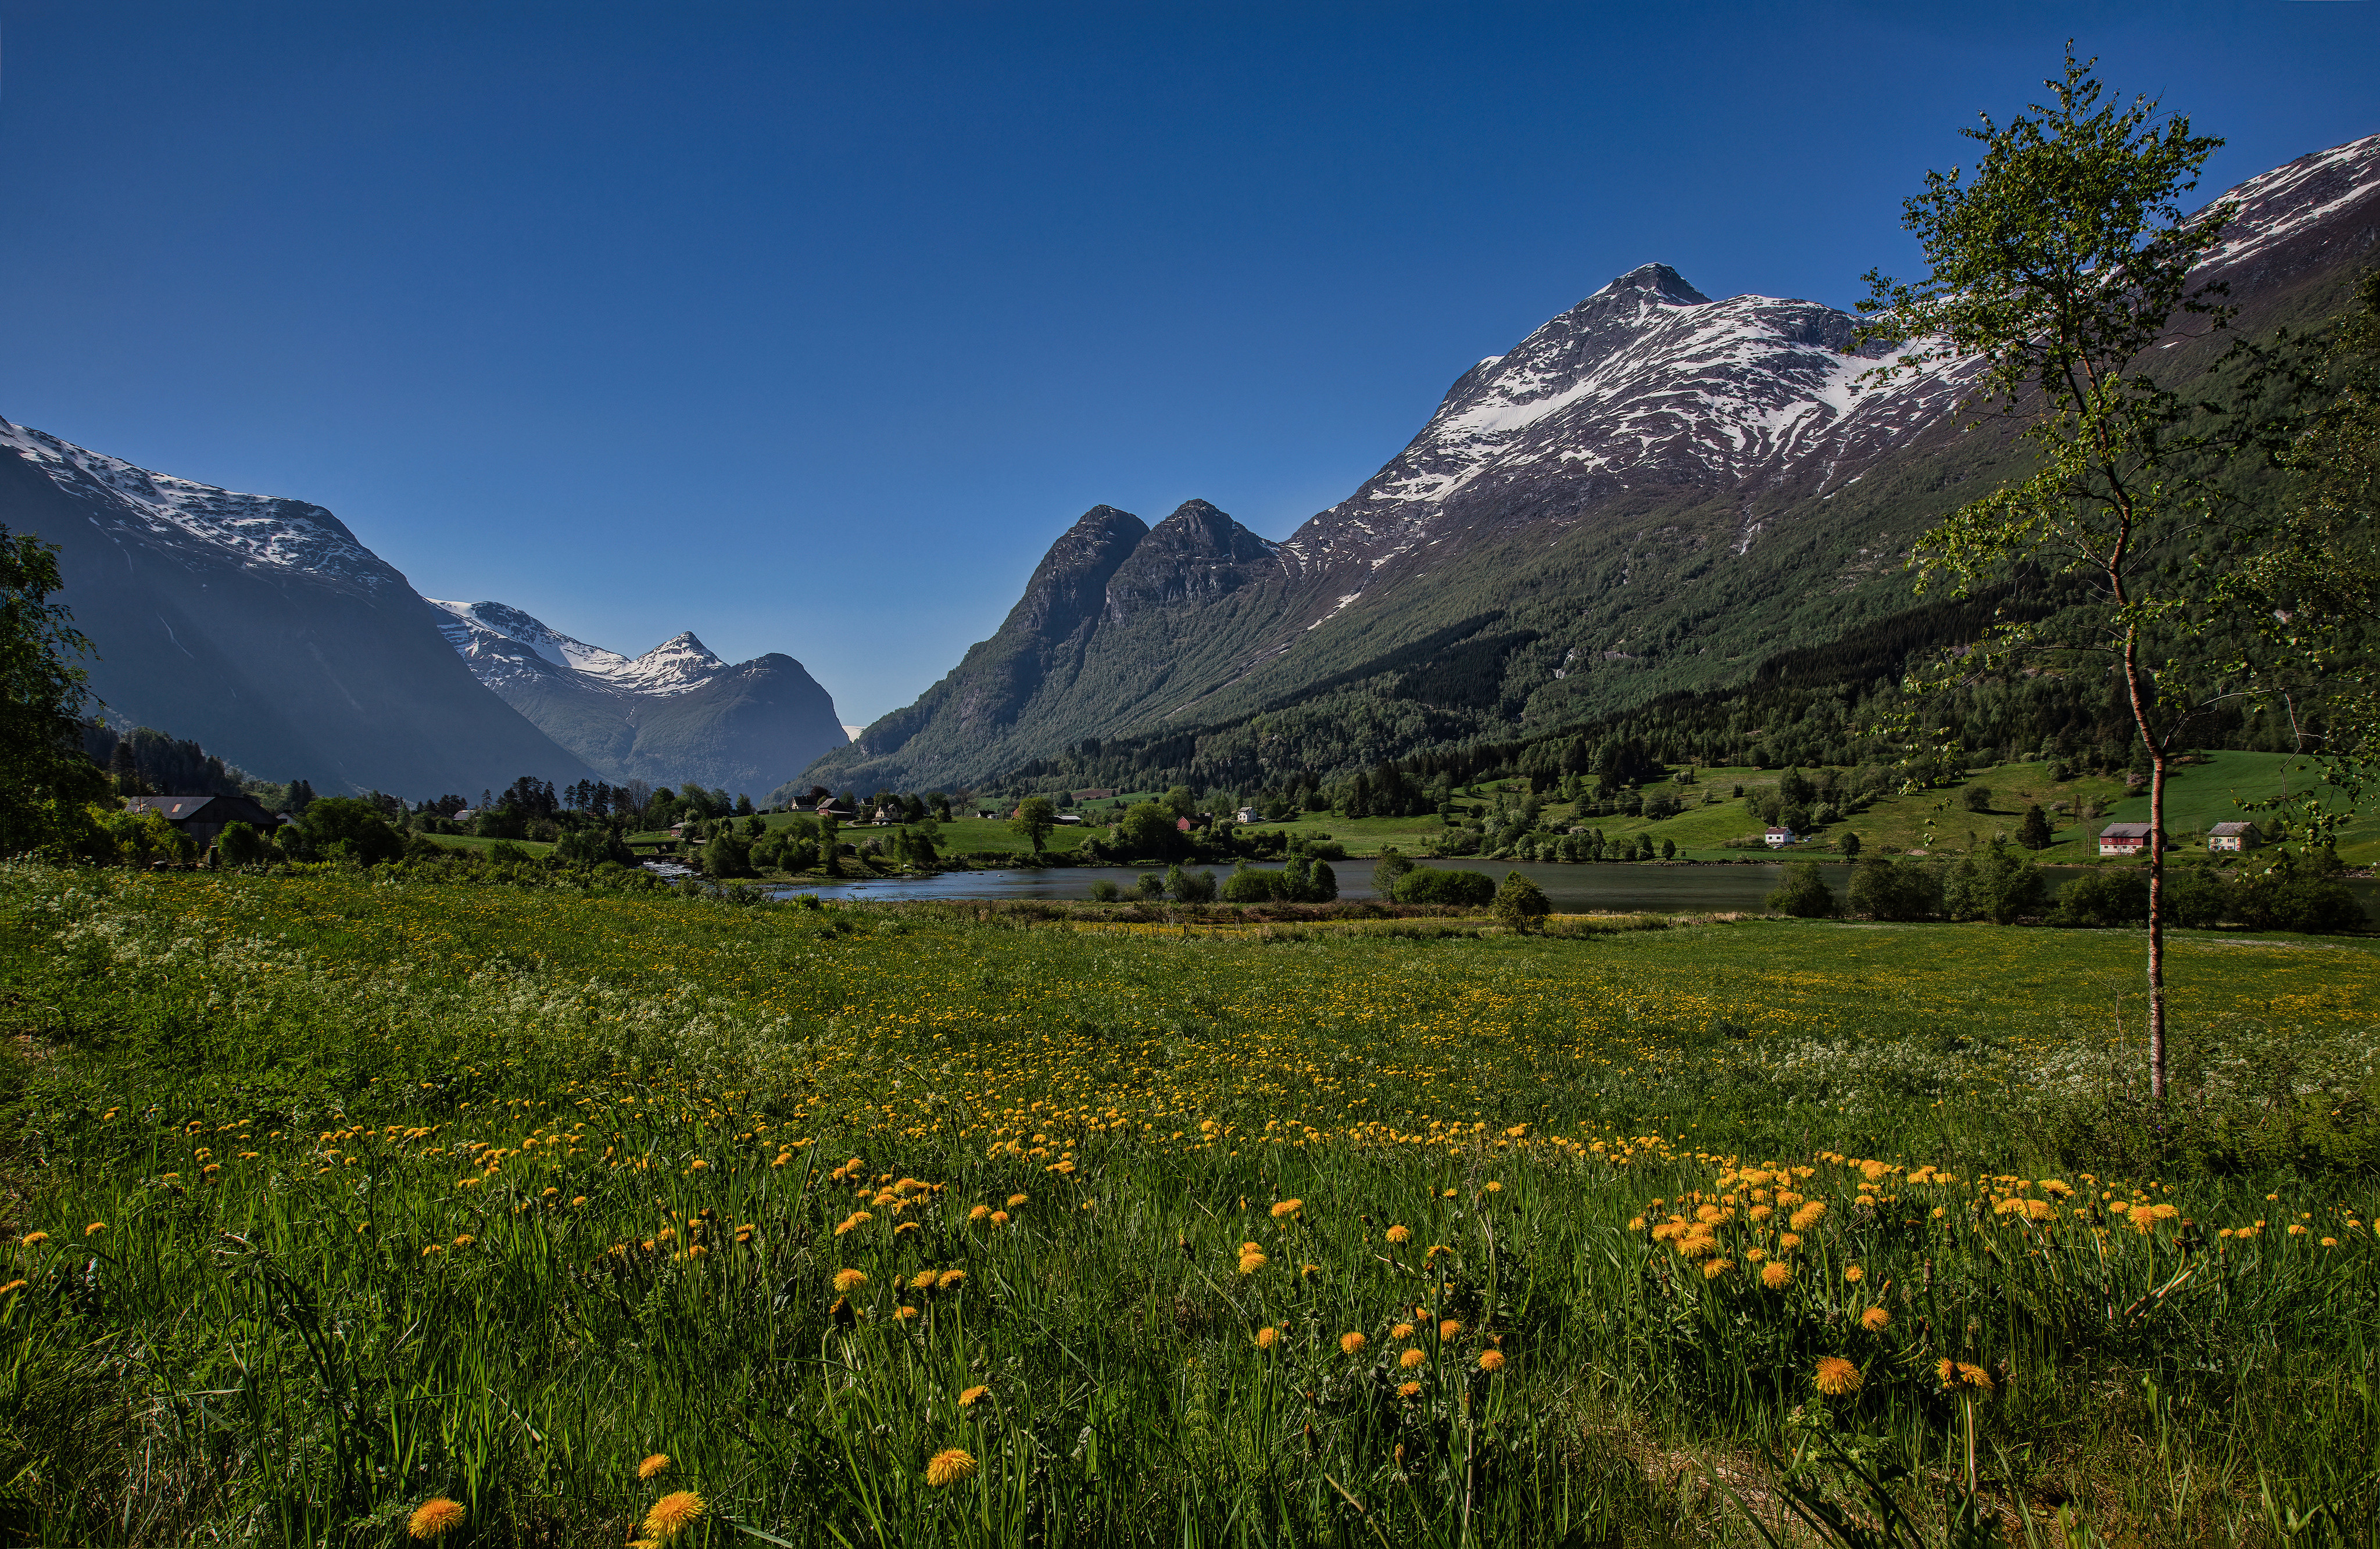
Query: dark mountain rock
x,y
1654,490
260,628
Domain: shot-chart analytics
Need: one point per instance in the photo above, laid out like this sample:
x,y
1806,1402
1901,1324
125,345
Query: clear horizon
x,y
786,325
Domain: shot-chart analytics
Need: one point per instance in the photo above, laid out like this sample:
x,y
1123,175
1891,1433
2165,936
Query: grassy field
x,y
2200,796
336,1195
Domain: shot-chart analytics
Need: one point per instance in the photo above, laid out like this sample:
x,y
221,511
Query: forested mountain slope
x,y
1654,492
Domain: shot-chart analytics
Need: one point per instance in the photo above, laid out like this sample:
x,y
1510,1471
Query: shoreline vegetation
x,y
342,1192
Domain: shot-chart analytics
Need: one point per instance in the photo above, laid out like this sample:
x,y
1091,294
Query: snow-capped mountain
x,y
675,666
675,713
1653,490
260,627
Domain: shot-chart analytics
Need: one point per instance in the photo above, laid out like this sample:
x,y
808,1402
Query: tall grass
x,y
346,1194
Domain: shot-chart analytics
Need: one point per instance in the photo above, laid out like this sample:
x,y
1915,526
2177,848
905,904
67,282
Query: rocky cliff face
x,y
674,714
262,629
1653,490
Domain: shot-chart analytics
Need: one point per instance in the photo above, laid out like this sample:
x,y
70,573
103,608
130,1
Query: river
x,y
1681,889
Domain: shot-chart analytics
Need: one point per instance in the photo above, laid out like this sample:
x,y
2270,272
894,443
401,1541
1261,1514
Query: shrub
x,y
1430,885
1105,891
357,827
1191,887
1521,903
1247,885
1805,894
1385,871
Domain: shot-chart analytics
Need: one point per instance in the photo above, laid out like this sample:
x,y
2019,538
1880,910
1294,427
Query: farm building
x,y
2126,838
203,817
1779,837
2233,836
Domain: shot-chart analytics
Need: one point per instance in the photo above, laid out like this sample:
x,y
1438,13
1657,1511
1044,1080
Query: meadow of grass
x,y
335,1194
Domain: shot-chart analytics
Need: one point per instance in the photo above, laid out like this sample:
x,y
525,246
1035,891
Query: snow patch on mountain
x,y
491,637
2277,205
260,531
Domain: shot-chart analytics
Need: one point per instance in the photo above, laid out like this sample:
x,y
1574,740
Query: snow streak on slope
x,y
264,531
2278,205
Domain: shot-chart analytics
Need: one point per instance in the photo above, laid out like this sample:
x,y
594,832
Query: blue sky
x,y
807,328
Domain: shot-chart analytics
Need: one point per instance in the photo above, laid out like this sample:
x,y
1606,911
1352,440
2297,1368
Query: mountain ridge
x,y
1652,490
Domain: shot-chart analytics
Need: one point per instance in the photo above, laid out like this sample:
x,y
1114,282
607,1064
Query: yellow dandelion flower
x,y
903,1315
1789,1241
1411,1359
1875,1320
968,1399
1854,1275
1015,1200
672,1514
1974,1377
1401,1331
1251,1263
1265,1338
1407,1389
1287,1207
1351,1344
97,1226
1777,1275
1715,1268
1450,1328
979,1213
576,1200
2295,1229
949,1279
435,1519
464,1240
1400,1234
949,1467
924,1279
13,1287
35,1238
1000,1217
1837,1376
2327,1242
848,1280
1491,1187
653,1467
1491,1361
1807,1216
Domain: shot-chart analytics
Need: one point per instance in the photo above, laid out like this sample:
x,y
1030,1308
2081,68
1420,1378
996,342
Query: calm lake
x,y
1619,888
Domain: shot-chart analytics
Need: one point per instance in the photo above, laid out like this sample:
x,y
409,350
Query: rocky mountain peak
x,y
1654,282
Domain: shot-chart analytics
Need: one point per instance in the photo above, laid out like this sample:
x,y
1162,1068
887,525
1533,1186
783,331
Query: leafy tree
x,y
1668,849
1391,865
1104,891
1979,798
240,845
1181,802
1192,886
2034,833
2107,896
728,854
1884,888
1035,816
2055,267
342,827
1151,885
1805,894
2313,585
46,784
1849,845
1148,832
1520,903
1997,884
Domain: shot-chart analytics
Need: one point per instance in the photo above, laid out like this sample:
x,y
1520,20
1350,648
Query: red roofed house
x,y
2126,838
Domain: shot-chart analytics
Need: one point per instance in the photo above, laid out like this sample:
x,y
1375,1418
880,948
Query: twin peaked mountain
x,y
1654,492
